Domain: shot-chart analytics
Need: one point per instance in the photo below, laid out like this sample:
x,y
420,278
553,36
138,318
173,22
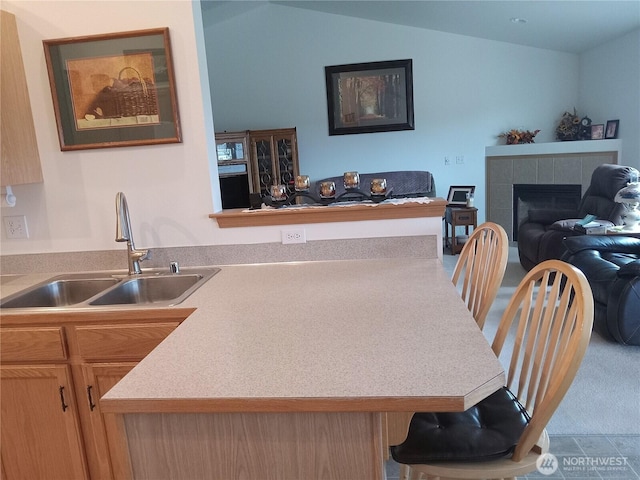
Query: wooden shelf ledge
x,y
351,213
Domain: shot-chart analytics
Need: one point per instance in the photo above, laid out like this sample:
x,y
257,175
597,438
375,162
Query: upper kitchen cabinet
x,y
274,158
19,149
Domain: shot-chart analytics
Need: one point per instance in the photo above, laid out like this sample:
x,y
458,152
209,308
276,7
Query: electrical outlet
x,y
460,159
16,226
294,236
447,161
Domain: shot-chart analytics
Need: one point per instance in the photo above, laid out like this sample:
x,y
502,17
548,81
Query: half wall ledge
x,y
388,210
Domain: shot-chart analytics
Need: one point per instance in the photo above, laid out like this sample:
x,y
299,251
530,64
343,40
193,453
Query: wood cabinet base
x,y
269,446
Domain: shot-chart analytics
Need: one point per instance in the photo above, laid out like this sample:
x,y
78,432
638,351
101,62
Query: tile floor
x,y
583,457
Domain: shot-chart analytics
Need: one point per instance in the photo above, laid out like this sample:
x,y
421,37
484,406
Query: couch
x,y
540,235
611,264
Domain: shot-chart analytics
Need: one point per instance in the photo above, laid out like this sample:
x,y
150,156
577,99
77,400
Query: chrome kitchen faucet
x,y
123,234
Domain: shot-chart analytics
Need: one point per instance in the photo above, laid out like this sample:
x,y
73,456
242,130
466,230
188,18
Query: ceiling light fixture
x,y
518,20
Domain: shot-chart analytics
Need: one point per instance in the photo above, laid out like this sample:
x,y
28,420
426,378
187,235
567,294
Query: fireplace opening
x,y
542,196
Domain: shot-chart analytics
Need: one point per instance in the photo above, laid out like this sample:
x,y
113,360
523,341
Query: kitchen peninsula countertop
x,y
317,336
289,370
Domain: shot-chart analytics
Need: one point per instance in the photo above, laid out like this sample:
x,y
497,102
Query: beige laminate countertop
x,y
361,335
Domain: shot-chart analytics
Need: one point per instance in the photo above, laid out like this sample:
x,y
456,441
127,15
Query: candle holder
x,y
278,193
379,187
351,180
302,183
327,190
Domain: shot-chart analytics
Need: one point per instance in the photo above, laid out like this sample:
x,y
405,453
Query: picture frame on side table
x,y
597,131
370,97
457,196
612,129
113,90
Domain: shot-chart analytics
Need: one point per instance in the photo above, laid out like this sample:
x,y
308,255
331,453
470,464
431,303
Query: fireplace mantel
x,y
540,163
555,148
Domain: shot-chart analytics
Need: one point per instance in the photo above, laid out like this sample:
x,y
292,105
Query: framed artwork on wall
x,y
612,129
113,90
370,97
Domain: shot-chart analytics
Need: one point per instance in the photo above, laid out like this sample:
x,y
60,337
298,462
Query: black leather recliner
x,y
611,264
540,236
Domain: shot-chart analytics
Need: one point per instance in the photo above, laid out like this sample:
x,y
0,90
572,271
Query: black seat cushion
x,y
489,430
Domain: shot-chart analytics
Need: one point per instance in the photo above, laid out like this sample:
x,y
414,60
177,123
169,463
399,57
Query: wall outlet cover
x,y
15,226
294,236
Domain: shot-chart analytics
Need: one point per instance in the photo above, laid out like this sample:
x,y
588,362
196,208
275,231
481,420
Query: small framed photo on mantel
x,y
612,129
597,131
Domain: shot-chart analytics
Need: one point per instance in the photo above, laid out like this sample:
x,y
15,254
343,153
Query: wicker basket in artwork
x,y
127,97
134,96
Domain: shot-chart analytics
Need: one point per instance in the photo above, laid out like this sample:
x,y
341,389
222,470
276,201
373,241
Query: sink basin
x,y
145,290
101,289
59,293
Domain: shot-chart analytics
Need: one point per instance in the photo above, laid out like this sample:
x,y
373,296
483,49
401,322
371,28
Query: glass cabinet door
x,y
265,170
230,151
274,159
231,147
286,169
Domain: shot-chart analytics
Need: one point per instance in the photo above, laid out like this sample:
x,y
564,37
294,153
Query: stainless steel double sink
x,y
100,289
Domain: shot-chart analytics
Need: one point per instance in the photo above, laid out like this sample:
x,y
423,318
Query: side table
x,y
458,217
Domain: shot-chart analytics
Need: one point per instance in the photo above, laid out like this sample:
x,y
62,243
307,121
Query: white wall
x,y
610,90
167,186
267,71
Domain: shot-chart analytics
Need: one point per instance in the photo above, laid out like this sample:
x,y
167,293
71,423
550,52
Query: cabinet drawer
x,y
463,217
121,342
32,344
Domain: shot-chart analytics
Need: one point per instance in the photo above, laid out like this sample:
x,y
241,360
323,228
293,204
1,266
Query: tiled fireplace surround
x,y
533,164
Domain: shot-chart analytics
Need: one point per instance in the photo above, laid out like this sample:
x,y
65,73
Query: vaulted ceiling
x,y
572,26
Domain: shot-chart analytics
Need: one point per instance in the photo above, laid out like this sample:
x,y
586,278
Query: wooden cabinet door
x,y
40,431
264,167
109,459
274,158
20,159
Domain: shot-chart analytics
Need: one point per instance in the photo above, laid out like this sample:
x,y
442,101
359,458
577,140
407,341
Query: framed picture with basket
x,y
113,90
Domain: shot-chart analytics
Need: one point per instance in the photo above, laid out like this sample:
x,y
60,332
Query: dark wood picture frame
x,y
458,194
370,97
611,131
113,90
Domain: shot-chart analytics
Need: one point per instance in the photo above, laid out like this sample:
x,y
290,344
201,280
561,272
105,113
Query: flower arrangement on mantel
x,y
572,127
516,137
